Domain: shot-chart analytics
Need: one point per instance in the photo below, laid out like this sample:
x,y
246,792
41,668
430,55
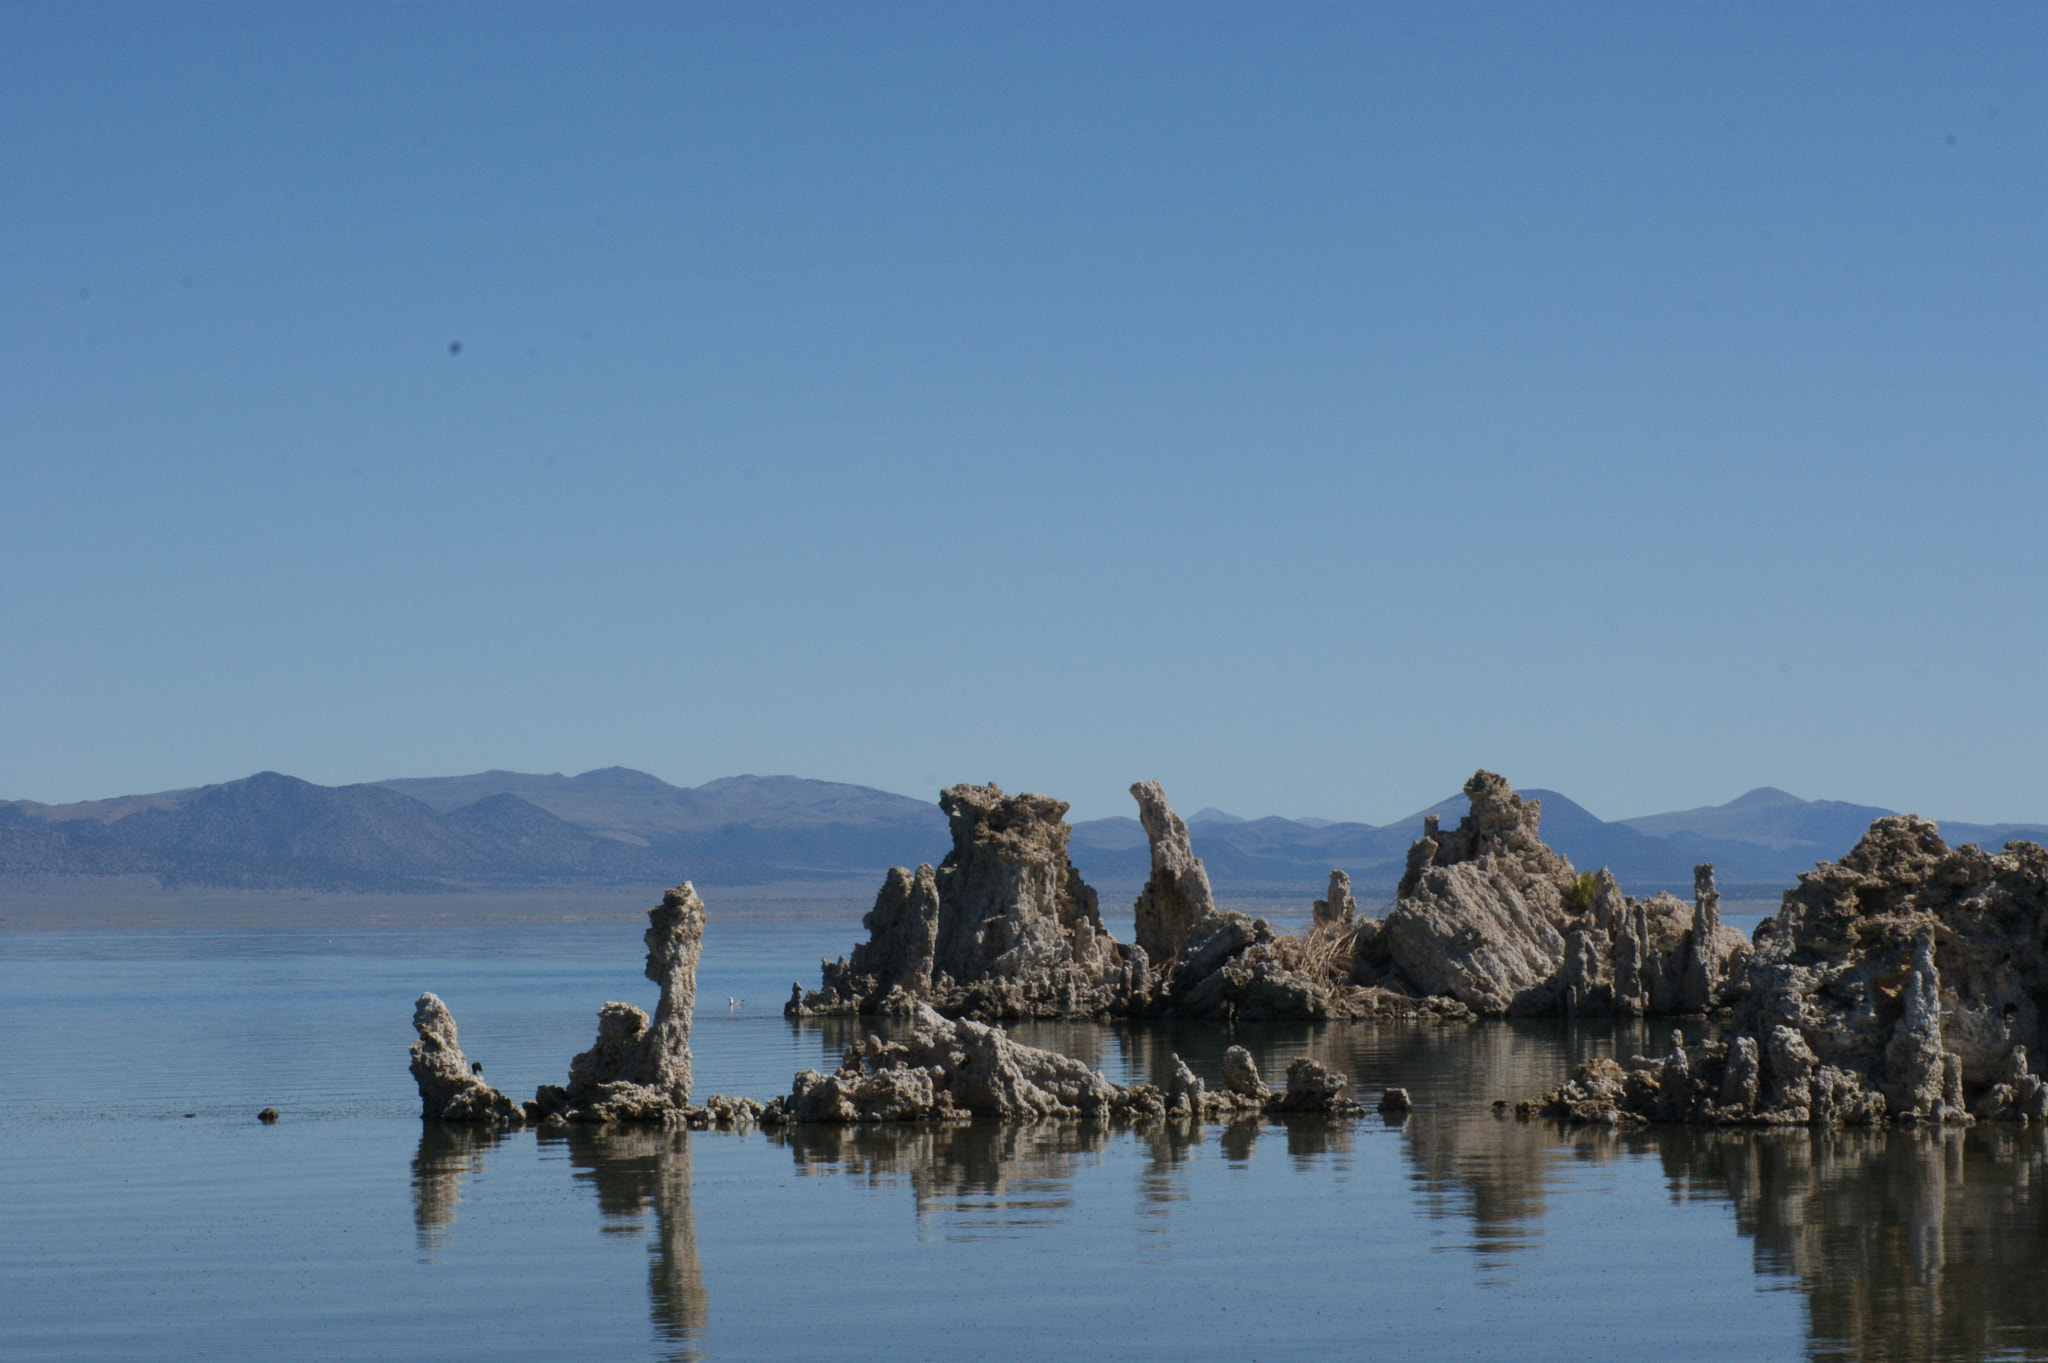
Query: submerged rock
x,y
1894,984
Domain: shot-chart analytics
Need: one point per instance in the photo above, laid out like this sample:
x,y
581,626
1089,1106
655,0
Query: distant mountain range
x,y
618,826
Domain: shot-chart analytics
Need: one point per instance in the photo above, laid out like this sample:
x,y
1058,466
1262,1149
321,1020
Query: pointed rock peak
x,y
1763,797
1178,894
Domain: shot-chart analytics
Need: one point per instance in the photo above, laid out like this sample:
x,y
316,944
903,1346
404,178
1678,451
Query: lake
x,y
149,1214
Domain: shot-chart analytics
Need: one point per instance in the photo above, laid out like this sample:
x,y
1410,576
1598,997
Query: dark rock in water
x,y
1241,1075
1396,1100
268,1116
1905,982
1312,1087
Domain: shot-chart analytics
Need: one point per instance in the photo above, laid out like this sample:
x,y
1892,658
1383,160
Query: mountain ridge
x,y
619,825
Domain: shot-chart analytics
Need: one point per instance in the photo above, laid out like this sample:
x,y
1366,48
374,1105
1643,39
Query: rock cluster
x,y
952,1069
637,1070
1489,920
1004,928
1489,915
1905,982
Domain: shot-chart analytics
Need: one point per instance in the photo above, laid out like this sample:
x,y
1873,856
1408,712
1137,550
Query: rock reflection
x,y
633,1170
446,1154
1006,1175
1908,1244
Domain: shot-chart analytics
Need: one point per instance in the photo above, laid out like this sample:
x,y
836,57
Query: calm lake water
x,y
130,1229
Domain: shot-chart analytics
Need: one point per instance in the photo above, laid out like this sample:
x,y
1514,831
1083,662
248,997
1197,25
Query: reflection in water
x,y
632,1170
1002,1176
1905,1244
446,1153
1908,1244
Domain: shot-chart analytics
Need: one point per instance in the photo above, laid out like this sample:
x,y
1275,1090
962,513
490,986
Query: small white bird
x,y
732,1002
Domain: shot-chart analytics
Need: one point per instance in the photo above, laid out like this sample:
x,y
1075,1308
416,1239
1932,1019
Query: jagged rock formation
x,y
1489,915
1628,958
451,1089
957,1069
1178,895
1895,983
638,1070
1479,914
891,972
1013,929
1489,920
1339,909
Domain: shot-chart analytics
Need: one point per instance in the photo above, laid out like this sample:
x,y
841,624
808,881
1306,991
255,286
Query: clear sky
x,y
1300,404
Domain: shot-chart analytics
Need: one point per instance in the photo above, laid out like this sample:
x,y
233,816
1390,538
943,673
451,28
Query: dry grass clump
x,y
1325,953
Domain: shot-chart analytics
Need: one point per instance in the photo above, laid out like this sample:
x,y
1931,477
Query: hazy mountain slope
x,y
1768,817
34,847
632,805
275,829
522,840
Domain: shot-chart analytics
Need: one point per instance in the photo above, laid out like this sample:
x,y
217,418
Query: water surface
x,y
353,1230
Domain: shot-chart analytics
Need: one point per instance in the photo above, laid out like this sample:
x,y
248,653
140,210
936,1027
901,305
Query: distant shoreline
x,y
136,904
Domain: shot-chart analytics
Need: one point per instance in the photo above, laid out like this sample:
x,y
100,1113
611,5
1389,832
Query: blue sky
x,y
1302,405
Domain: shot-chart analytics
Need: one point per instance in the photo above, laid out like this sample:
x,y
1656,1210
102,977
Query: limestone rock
x,y
451,1090
1480,933
1177,896
1490,915
1312,1087
2018,1096
638,1069
1479,914
1241,1075
1501,828
1904,982
891,972
1013,930
1338,909
950,1069
1633,958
